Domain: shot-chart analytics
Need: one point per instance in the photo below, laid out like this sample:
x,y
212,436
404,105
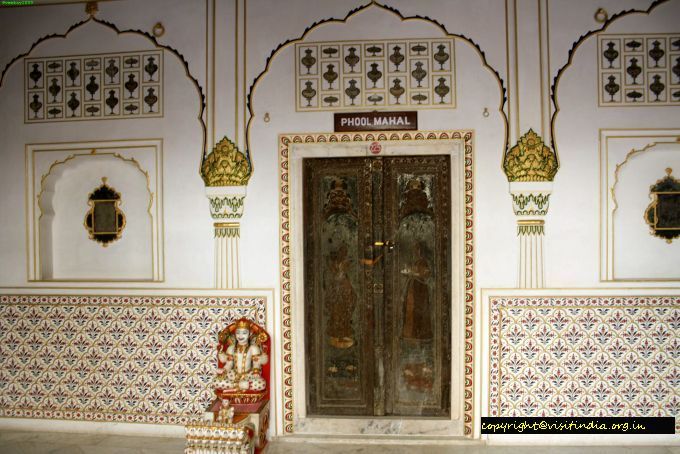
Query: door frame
x,y
293,148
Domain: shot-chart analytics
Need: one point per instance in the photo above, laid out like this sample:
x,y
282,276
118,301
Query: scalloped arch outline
x,y
574,47
118,31
403,18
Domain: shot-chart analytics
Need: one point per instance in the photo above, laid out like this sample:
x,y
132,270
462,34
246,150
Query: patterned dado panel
x,y
145,359
636,70
585,356
369,74
92,87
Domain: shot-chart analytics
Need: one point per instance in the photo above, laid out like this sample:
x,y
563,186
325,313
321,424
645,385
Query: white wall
x,y
186,217
227,44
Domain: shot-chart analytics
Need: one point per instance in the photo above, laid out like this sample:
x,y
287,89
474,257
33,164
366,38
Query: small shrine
x,y
236,421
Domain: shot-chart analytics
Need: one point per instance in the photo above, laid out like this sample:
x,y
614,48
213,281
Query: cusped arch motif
x,y
118,31
560,72
44,225
348,16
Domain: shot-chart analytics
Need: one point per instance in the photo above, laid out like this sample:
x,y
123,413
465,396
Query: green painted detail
x,y
522,200
530,230
227,232
234,203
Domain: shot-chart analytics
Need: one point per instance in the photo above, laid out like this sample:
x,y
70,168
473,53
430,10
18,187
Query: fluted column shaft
x,y
227,235
226,209
530,204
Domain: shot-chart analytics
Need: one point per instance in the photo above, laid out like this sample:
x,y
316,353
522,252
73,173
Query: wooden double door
x,y
377,286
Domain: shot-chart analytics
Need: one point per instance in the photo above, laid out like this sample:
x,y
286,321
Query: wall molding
x,y
617,147
42,159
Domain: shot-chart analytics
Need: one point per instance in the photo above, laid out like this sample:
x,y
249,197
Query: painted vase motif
x,y
441,56
308,60
35,75
397,90
308,93
612,87
419,73
352,91
111,70
54,89
397,57
610,53
330,75
73,104
374,74
634,69
151,67
352,59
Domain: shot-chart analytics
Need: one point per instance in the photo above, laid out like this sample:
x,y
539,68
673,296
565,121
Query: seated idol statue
x,y
241,355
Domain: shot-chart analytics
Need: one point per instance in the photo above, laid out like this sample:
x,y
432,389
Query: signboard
x,y
376,121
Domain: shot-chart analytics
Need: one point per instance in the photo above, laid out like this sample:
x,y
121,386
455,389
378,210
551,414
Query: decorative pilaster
x,y
530,167
530,203
226,172
226,209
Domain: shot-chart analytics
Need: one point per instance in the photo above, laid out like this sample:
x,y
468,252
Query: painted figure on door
x,y
417,316
415,199
340,299
338,201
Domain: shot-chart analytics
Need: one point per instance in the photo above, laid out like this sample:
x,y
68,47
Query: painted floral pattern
x,y
582,356
142,359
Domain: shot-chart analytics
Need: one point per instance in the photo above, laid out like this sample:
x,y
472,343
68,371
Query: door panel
x,y
417,286
337,216
377,285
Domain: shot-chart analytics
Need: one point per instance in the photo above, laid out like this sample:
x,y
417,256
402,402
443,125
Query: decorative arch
x,y
572,52
136,184
118,31
350,14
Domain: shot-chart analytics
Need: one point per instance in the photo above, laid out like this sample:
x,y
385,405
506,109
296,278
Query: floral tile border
x,y
141,359
584,356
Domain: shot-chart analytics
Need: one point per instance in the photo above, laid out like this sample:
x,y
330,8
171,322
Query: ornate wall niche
x,y
631,161
104,220
182,126
60,179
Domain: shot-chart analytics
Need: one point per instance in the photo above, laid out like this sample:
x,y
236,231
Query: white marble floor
x,y
13,442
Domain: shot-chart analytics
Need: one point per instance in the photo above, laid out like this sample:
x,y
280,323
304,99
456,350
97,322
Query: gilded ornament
x,y
663,214
601,16
226,166
530,160
91,8
530,228
104,221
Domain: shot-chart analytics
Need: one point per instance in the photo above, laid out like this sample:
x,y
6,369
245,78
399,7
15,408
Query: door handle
x,y
387,244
